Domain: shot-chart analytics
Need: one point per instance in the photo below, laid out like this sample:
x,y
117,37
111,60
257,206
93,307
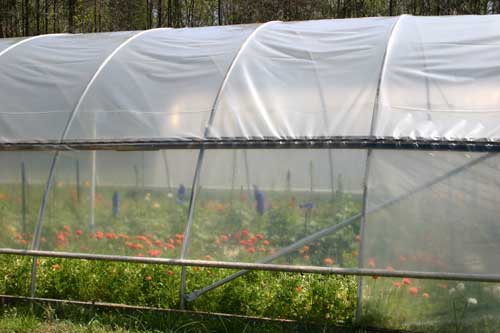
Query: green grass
x,y
65,318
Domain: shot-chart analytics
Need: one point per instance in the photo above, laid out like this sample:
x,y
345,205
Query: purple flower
x,y
116,204
260,200
307,205
181,194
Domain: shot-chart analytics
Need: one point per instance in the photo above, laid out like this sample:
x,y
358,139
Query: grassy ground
x,y
45,318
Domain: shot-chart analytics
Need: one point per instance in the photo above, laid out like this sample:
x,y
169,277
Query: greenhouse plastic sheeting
x,y
391,77
258,202
404,211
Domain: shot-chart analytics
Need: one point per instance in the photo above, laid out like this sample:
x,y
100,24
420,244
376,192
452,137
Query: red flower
x,y
110,235
406,281
23,241
179,236
61,237
170,246
262,249
328,261
170,273
299,289
158,243
224,238
371,262
413,291
154,253
259,236
66,228
397,284
99,235
251,250
245,232
265,242
79,232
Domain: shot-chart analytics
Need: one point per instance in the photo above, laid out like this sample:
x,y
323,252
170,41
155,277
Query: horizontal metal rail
x,y
8,299
354,142
262,267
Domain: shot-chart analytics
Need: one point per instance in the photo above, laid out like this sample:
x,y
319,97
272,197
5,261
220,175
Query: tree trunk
x,y
71,16
26,18
46,17
160,13
37,16
219,11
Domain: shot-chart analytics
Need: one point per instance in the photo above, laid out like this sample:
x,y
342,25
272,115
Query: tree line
x,y
33,17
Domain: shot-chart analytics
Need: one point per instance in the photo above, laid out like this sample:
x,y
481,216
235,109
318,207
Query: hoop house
x,y
357,147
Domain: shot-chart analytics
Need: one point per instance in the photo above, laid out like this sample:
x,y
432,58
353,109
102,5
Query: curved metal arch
x,y
375,112
201,154
26,40
38,229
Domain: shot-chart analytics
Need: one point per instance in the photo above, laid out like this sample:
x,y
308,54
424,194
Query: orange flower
x,y
371,262
179,236
110,235
259,236
169,246
251,250
66,228
99,235
425,295
305,248
23,241
299,289
123,236
328,261
406,281
56,267
262,249
397,284
154,253
158,243
148,278
79,232
265,242
413,291
170,273
178,241
3,196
